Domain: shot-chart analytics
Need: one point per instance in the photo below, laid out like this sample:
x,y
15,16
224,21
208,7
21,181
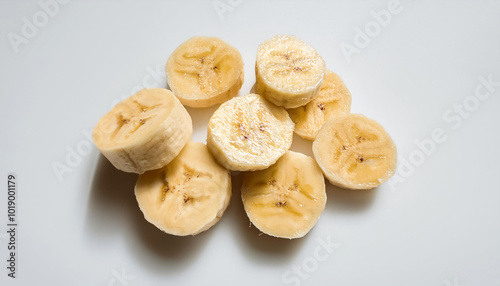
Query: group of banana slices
x,y
184,187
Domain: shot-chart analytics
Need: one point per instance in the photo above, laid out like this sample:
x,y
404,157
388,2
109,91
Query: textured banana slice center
x,y
188,195
362,154
136,116
333,99
289,63
131,117
277,196
251,129
286,199
325,105
356,150
204,66
182,197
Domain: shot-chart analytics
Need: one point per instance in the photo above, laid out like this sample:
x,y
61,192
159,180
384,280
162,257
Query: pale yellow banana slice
x,y
288,71
249,133
355,152
204,71
143,132
187,196
333,99
287,199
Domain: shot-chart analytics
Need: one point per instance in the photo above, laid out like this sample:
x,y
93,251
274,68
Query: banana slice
x,y
288,71
143,132
355,152
333,99
204,71
187,196
249,133
287,199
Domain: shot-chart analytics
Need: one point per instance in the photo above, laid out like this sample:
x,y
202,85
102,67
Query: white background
x,y
439,226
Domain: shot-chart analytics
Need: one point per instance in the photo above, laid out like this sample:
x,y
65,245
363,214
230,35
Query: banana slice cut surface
x,y
187,196
355,152
333,99
287,199
143,132
204,71
288,71
249,133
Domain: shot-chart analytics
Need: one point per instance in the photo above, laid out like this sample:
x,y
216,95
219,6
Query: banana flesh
x,y
143,132
287,199
355,152
333,99
204,71
288,71
187,196
249,133
185,187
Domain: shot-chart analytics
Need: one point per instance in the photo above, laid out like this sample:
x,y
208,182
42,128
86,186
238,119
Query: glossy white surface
x,y
440,225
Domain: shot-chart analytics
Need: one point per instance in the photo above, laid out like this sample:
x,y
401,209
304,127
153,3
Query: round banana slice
x,y
333,99
204,71
187,196
249,133
288,71
355,152
143,132
287,199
